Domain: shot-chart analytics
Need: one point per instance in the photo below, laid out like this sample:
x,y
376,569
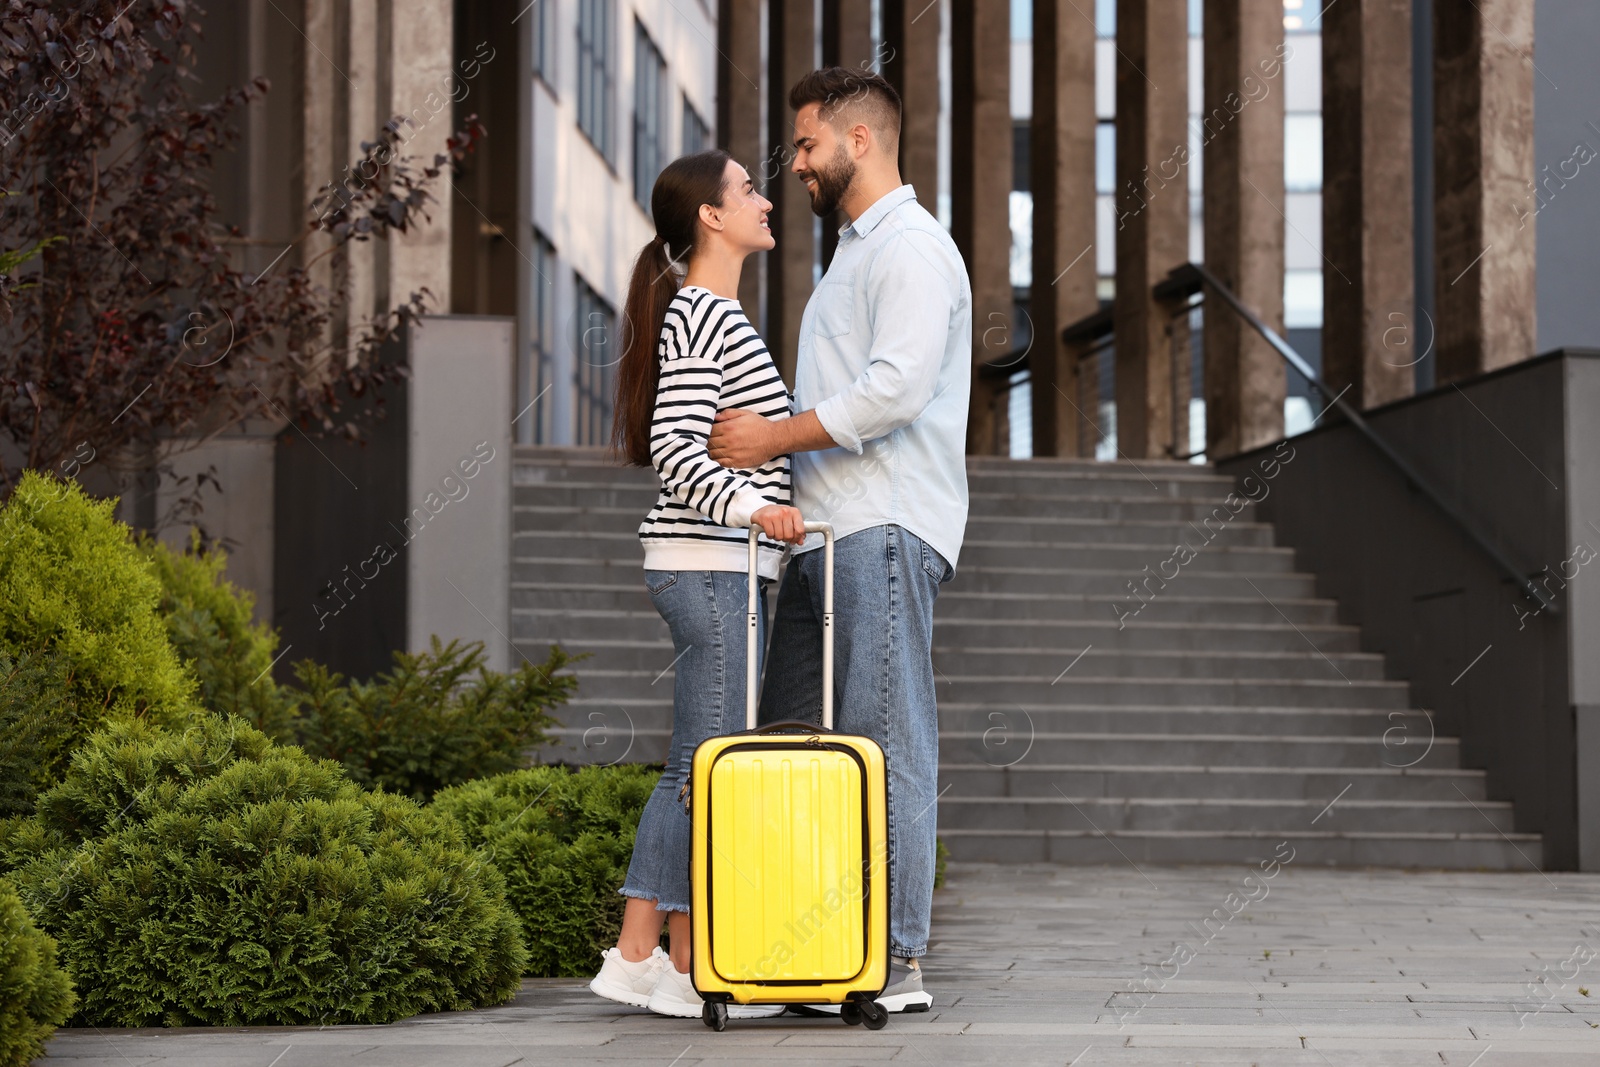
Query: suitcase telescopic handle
x,y
752,650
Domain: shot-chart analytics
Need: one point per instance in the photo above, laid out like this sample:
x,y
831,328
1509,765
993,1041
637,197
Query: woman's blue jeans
x,y
705,610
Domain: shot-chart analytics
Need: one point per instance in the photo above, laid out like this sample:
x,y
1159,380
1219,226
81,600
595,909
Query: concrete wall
x,y
382,544
1566,157
1508,450
1583,593
459,517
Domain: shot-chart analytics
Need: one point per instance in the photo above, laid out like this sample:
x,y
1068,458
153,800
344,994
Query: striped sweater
x,y
711,359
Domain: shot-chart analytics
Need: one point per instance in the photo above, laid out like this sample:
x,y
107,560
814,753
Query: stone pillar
x,y
414,81
911,63
1152,208
1062,157
846,42
792,48
1483,166
1370,339
847,34
1242,131
739,70
980,180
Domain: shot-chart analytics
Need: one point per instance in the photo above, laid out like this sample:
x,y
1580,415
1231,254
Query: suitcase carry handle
x,y
751,649
799,725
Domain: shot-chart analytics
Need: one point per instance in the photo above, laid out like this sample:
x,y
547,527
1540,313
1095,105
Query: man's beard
x,y
833,181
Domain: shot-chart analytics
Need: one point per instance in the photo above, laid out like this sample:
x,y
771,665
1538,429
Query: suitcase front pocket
x,y
787,874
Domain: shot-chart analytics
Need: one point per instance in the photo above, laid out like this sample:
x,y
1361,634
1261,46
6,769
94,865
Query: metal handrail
x,y
1411,474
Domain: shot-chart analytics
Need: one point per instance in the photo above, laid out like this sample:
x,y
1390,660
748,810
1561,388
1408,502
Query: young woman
x,y
688,352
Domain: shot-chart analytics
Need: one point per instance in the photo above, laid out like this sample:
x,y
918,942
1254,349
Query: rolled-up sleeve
x,y
913,289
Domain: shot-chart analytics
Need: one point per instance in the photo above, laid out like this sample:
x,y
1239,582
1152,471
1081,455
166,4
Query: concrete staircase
x,y
1231,713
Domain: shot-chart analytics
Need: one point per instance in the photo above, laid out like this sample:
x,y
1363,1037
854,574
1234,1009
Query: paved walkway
x,y
1045,965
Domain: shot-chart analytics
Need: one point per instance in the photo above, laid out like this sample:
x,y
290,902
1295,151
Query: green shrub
x,y
437,719
563,839
210,623
215,878
35,995
941,856
41,719
72,581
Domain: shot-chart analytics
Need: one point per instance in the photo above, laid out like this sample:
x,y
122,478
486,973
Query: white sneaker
x,y
628,982
675,995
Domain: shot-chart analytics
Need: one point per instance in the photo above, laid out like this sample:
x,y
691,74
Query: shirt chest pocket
x,y
835,305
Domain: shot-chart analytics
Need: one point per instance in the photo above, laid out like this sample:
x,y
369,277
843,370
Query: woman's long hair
x,y
685,184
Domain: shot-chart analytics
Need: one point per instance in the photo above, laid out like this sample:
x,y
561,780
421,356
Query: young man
x,y
882,380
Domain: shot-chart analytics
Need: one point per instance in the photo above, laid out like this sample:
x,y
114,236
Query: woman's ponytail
x,y
685,184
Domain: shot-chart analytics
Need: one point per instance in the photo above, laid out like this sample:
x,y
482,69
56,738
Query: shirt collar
x,y
882,206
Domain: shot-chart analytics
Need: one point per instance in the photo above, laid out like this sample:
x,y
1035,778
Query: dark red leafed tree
x,y
119,291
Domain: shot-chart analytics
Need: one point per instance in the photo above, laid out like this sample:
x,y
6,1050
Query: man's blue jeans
x,y
885,583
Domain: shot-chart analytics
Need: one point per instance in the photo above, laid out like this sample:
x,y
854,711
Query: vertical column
x,y
418,62
792,48
847,34
1367,283
846,42
911,63
1242,124
739,69
980,193
1483,164
1152,208
1062,157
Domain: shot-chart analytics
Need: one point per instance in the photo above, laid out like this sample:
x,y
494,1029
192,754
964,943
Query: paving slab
x,y
1079,967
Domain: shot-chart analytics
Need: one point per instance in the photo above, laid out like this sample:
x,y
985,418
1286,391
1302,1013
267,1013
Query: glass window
x,y
696,134
598,348
540,14
596,76
1302,152
649,115
1302,299
541,360
1105,157
1021,155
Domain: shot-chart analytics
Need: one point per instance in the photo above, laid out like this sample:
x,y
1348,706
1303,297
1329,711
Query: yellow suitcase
x,y
789,863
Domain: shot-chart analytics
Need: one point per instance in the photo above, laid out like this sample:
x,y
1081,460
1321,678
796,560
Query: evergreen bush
x,y
212,877
41,719
211,624
35,994
437,719
73,583
562,838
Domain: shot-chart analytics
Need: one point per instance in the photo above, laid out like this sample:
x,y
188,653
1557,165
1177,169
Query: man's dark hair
x,y
860,95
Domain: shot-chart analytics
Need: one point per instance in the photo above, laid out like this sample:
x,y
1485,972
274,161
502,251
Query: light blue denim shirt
x,y
885,358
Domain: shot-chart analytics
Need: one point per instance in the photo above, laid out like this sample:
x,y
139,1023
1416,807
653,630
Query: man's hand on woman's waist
x,y
744,440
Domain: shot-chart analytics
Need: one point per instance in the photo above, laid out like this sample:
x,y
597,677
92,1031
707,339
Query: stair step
x,y
1449,851
1003,692
1052,664
956,603
1306,783
983,736
561,626
1199,814
1137,635
1218,750
1182,509
1123,585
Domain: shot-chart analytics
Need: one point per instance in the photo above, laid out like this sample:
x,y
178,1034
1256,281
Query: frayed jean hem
x,y
643,894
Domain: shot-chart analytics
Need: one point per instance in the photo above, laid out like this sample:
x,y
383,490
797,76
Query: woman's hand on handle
x,y
781,523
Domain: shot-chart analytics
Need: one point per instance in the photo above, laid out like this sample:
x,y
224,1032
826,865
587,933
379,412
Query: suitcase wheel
x,y
874,1015
850,1012
715,1015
